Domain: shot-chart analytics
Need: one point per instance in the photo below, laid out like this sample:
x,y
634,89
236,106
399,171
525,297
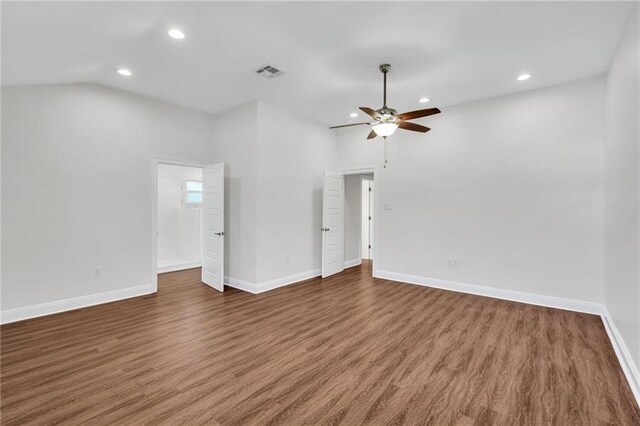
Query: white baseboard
x,y
284,281
622,352
497,293
291,279
241,284
256,288
27,312
264,286
179,267
351,263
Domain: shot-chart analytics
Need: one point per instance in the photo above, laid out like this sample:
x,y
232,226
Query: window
x,y
192,193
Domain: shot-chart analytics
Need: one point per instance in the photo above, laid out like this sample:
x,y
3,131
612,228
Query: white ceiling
x,y
452,52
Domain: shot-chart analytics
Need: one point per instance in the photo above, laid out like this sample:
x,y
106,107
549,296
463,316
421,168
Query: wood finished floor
x,y
345,350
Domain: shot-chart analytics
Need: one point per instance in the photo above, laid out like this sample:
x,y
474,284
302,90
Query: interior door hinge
x,y
369,246
369,217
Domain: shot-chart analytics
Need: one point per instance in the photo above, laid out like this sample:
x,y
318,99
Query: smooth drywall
x,y
510,187
77,187
622,188
234,142
293,152
178,222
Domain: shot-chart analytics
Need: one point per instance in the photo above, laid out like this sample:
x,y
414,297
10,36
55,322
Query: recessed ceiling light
x,y
423,100
125,72
353,115
175,33
524,77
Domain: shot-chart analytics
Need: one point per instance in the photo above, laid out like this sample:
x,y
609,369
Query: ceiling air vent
x,y
268,71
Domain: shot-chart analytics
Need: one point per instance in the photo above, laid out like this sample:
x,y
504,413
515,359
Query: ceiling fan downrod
x,y
384,68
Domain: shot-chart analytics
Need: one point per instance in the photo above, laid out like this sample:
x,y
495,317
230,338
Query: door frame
x,y
155,162
373,170
370,207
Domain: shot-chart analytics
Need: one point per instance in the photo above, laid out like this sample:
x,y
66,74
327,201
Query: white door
x,y
332,223
213,226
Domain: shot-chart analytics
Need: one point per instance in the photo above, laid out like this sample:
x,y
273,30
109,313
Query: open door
x,y
213,226
332,223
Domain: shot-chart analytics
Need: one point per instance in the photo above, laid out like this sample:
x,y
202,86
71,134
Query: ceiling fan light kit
x,y
384,129
387,120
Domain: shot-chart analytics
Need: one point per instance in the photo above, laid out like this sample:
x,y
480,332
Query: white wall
x,y
273,206
293,152
510,187
178,225
234,142
622,188
77,187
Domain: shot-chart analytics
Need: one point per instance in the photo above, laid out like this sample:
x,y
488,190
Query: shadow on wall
x,y
232,198
317,224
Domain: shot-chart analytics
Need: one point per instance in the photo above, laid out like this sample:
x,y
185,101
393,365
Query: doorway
x,y
358,238
187,220
179,217
348,223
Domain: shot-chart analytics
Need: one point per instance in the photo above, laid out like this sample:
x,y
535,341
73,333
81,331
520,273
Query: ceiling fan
x,y
387,120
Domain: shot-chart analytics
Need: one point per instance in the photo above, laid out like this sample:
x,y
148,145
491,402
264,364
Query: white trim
x,y
241,284
351,263
629,368
265,286
27,312
257,288
179,267
359,170
291,279
497,293
178,162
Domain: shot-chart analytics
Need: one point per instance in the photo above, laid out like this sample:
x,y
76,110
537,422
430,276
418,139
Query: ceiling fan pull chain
x,y
385,152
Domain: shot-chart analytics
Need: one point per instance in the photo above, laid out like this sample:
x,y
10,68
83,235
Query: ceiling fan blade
x,y
419,113
371,112
413,127
348,125
372,135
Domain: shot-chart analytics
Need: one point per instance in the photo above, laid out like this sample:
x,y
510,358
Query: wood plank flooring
x,y
344,350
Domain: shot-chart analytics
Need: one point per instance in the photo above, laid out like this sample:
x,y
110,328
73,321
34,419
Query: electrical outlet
x,y
387,206
96,271
453,263
287,258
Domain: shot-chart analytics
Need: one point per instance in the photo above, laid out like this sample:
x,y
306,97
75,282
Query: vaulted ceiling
x,y
452,52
